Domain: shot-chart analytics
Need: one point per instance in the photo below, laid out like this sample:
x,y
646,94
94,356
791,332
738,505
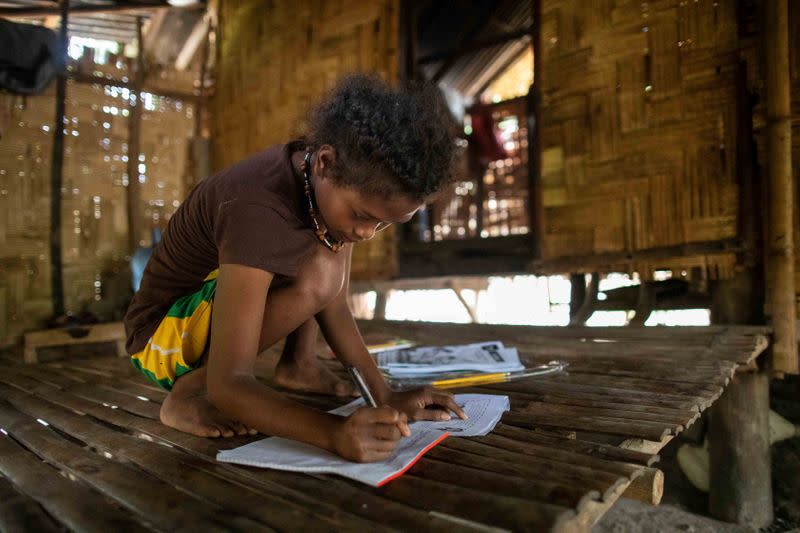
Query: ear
x,y
325,161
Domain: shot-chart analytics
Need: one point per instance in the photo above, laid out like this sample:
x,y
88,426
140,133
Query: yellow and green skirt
x,y
179,342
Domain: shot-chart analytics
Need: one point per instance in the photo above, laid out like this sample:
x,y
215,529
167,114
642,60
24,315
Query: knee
x,y
321,279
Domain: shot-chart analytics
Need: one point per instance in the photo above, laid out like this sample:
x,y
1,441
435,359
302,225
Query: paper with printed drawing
x,y
484,412
480,357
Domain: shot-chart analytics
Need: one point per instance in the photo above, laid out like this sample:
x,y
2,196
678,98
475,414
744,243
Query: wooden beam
x,y
193,42
56,169
780,263
85,9
116,82
586,263
522,33
535,202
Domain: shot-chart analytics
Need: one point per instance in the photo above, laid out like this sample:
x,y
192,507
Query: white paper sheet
x,y
285,454
484,411
481,357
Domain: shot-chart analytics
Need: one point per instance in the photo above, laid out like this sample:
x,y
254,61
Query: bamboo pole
x,y
134,132
780,283
56,169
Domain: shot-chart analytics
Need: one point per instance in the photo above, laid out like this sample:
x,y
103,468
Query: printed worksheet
x,y
484,412
481,357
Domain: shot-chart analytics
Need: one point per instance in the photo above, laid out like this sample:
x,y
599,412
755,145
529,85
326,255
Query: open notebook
x,y
484,412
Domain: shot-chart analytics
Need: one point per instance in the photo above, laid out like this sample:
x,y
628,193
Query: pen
x,y
355,375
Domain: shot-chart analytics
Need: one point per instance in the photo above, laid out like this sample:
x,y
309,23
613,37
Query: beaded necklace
x,y
323,235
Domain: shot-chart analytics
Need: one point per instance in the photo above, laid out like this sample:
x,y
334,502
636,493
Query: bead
x,y
321,234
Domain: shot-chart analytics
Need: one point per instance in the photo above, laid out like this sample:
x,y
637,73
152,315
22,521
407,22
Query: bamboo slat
x,y
21,513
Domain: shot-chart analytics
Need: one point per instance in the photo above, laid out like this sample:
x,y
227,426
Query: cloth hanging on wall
x,y
29,57
485,136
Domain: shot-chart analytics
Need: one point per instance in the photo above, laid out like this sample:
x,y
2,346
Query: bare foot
x,y
187,409
311,376
197,416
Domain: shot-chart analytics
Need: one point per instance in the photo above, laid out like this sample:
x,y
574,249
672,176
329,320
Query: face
x,y
349,215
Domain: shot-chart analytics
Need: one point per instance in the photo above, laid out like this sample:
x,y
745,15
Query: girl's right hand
x,y
370,434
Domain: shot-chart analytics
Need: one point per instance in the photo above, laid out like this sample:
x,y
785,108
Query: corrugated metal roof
x,y
109,20
473,71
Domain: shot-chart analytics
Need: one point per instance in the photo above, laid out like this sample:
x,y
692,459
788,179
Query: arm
x,y
340,330
232,387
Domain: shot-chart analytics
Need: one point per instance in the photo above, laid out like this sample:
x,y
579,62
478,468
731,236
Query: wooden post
x,y
738,437
534,123
56,169
381,297
780,265
407,45
738,443
577,293
134,131
587,305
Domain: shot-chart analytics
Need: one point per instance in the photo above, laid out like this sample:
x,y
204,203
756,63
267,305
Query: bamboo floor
x,y
81,446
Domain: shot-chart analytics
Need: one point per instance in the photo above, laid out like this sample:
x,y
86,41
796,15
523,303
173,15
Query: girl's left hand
x,y
426,403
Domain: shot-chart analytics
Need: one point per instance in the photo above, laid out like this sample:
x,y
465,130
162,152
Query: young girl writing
x,y
267,244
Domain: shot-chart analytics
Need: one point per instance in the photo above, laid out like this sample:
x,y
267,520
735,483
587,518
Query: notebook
x,y
484,412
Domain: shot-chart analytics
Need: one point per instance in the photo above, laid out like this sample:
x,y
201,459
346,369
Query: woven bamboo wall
x,y
639,128
277,58
94,202
639,134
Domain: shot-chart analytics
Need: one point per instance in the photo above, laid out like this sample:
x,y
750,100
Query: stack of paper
x,y
481,357
483,410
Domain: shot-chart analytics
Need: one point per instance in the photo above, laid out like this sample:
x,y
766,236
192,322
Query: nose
x,y
366,231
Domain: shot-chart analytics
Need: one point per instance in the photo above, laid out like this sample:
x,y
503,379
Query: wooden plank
x,y
586,447
558,493
148,497
94,333
69,502
597,425
189,473
351,497
542,408
465,455
21,513
566,456
486,509
625,409
600,393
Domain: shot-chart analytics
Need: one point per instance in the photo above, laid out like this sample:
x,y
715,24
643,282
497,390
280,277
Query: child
x,y
268,244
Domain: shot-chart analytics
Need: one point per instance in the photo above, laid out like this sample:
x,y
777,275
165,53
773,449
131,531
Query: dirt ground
x,y
684,508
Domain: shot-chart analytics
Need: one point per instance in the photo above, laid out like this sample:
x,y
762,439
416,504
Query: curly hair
x,y
388,141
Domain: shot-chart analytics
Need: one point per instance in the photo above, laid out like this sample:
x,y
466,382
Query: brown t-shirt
x,y
249,214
